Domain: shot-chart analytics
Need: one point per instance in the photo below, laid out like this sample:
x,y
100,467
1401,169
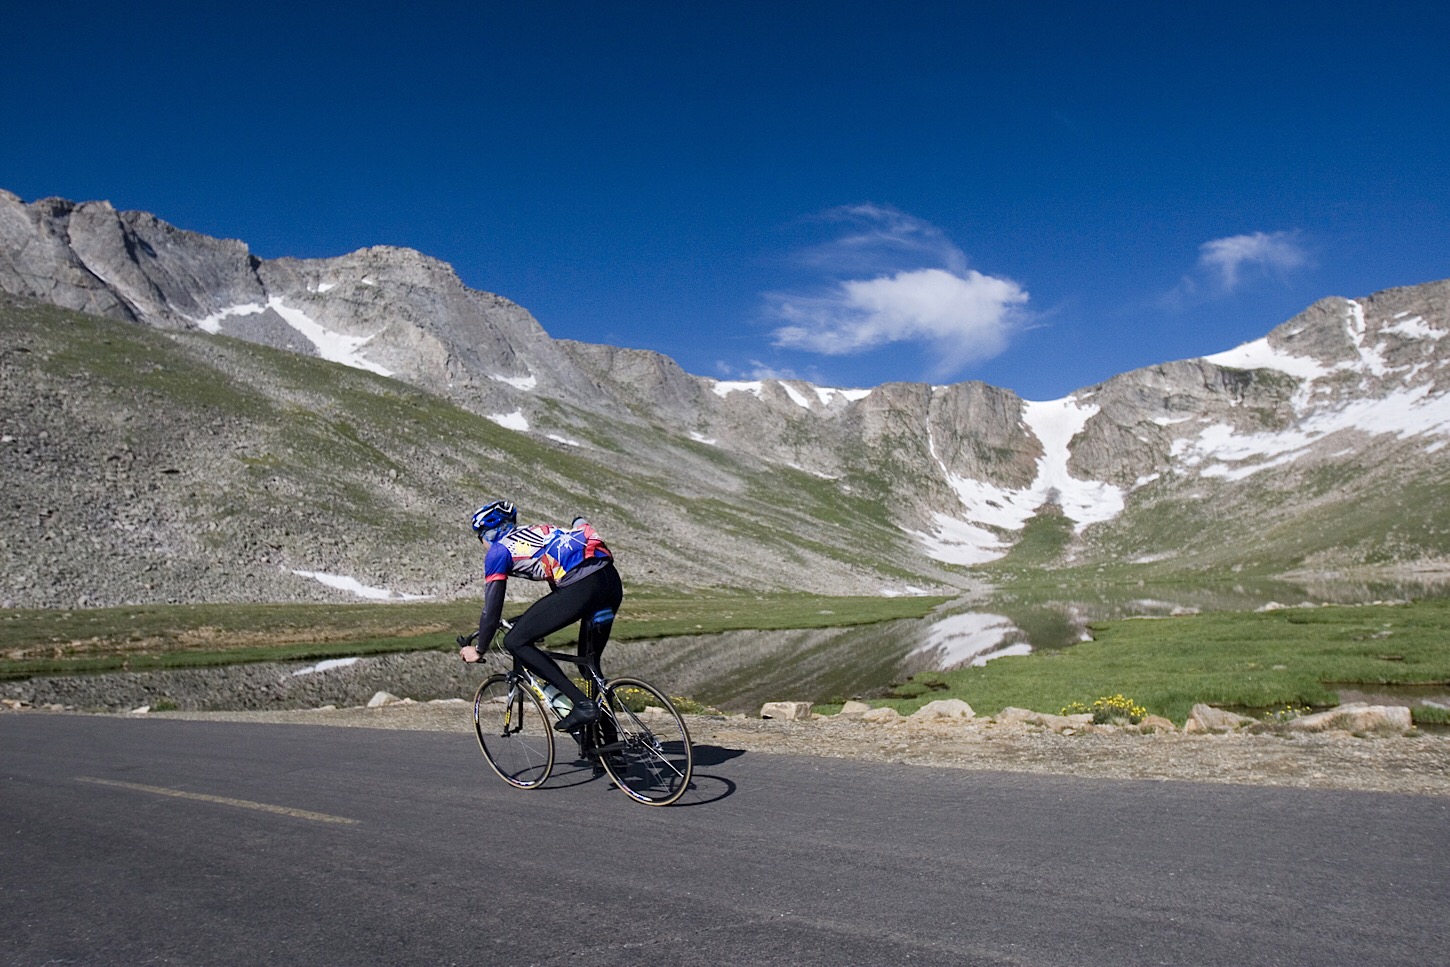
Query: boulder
x,y
1356,717
786,711
854,710
944,708
380,699
1206,718
1012,715
882,716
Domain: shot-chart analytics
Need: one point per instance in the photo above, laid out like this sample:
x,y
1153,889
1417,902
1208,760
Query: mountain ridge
x,y
936,476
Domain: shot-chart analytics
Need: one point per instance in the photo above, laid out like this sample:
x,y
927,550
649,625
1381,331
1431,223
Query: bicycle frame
x,y
651,767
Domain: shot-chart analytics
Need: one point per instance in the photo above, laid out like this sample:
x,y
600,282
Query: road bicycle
x,y
640,740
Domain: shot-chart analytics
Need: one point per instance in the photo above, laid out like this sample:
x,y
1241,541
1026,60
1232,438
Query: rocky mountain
x,y
183,420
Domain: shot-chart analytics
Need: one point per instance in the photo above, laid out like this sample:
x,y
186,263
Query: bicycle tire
x,y
654,759
514,732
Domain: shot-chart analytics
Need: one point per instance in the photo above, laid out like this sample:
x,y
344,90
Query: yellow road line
x,y
223,800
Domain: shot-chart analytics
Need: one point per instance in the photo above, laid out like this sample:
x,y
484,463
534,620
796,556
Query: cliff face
x,y
1347,402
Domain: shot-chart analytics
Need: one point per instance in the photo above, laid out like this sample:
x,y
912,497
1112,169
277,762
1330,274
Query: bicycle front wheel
x,y
513,732
650,758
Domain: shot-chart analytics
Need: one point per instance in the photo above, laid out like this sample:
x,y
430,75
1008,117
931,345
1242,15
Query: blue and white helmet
x,y
494,520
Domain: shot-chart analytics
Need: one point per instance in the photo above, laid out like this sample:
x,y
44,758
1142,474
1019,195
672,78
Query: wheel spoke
x,y
513,732
654,763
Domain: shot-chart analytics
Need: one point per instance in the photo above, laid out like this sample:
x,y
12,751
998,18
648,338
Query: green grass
x,y
1244,660
37,642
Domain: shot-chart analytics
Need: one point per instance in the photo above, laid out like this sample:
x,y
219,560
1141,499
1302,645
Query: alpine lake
x,y
739,671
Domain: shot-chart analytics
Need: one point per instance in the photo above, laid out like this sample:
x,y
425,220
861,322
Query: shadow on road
x,y
714,755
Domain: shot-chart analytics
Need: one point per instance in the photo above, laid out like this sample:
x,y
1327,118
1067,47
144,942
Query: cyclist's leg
x,y
594,629
557,609
606,594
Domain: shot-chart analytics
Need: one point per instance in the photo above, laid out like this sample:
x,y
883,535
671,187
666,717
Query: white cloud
x,y
1226,258
966,317
916,288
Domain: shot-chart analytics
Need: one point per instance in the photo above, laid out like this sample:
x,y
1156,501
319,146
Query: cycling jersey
x,y
542,552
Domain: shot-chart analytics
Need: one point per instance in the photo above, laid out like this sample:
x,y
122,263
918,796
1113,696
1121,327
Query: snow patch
x,y
828,394
701,438
1260,355
1414,328
333,346
1055,423
1233,455
1154,558
213,322
325,666
511,421
795,396
1085,502
354,586
723,389
564,440
524,383
959,542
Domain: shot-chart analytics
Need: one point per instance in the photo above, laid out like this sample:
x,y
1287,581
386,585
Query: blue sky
x,y
1038,195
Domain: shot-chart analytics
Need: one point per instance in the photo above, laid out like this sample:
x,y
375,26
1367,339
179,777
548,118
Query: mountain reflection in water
x,y
738,671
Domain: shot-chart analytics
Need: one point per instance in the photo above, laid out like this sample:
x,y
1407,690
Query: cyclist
x,y
583,586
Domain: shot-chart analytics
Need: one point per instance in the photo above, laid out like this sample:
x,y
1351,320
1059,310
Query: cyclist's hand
x,y
469,654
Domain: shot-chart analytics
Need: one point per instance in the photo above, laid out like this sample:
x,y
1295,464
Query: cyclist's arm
x,y
496,566
495,580
492,613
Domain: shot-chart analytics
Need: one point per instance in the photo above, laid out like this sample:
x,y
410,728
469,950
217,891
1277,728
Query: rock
x,y
144,709
786,711
1057,723
1206,718
944,708
882,716
1356,717
1011,715
380,699
1156,723
854,710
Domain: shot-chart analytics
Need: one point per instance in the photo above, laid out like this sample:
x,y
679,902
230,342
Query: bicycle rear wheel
x,y
651,759
513,732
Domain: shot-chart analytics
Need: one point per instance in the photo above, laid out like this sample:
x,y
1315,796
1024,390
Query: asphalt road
x,y
126,841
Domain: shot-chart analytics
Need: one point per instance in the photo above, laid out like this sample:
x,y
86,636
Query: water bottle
x,y
558,701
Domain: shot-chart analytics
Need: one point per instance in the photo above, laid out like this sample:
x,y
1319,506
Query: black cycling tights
x,y
579,601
